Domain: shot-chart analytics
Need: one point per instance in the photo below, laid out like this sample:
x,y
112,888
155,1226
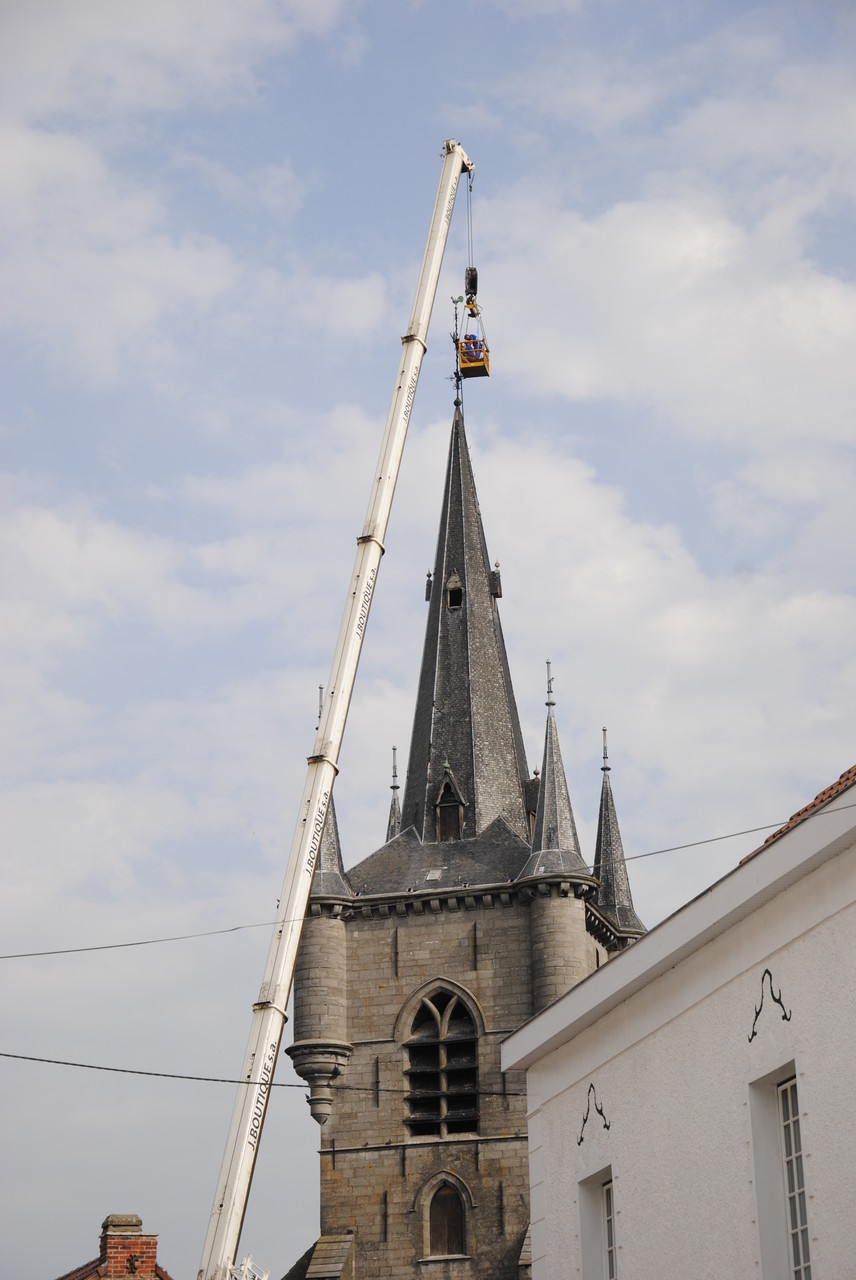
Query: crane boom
x,y
233,1186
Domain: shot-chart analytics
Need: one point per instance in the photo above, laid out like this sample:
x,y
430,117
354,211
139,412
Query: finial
x,y
605,765
550,702
394,786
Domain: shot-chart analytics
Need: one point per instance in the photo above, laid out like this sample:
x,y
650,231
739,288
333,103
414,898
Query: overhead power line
x,y
139,942
267,924
341,1087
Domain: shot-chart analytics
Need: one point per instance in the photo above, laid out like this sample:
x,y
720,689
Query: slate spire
x,y
555,845
613,896
467,762
329,880
393,825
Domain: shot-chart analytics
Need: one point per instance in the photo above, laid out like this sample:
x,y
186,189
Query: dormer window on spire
x,y
454,592
448,815
449,807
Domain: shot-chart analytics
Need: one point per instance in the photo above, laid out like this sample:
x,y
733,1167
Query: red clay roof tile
x,y
847,779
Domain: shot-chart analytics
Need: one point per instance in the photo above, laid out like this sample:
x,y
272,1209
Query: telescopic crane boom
x,y
233,1186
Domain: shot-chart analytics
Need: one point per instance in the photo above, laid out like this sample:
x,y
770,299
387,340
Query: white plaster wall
x,y
672,1068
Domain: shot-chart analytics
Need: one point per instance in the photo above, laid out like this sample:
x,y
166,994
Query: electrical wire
x,y
267,924
341,1087
139,942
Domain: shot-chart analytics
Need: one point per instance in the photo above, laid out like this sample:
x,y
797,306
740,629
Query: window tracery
x,y
442,1097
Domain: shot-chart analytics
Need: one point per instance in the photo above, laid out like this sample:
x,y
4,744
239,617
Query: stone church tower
x,y
477,912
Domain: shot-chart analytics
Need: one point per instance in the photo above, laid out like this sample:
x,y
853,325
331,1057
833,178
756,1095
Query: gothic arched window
x,y
446,1222
442,1098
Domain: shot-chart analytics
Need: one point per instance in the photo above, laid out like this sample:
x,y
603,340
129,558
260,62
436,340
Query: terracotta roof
x,y
847,780
94,1268
97,1268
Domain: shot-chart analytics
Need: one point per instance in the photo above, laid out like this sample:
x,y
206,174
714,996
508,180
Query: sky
x,y
213,214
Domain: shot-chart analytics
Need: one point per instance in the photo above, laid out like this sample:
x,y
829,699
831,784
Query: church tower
x,y
476,912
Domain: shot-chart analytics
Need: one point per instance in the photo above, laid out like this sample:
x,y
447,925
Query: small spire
x,y
555,844
393,826
613,896
330,880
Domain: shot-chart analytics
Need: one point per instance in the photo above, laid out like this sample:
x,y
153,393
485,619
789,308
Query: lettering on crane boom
x,y
408,399
450,203
366,601
317,830
261,1098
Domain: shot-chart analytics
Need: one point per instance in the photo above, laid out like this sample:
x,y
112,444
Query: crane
x,y
245,1129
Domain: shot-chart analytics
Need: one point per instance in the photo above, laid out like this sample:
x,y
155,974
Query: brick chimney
x,y
125,1251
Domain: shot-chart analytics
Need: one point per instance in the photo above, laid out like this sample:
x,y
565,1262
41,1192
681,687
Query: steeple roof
x,y
329,880
613,897
555,845
393,825
466,723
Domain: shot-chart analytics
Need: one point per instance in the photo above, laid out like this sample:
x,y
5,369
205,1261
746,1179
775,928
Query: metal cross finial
x,y
394,786
605,765
550,702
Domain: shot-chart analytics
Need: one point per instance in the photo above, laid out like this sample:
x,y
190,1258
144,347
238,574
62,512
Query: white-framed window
x,y
795,1195
781,1195
598,1226
610,1250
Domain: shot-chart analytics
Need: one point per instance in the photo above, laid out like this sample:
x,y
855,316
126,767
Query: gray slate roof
x,y
407,865
613,896
466,717
555,844
329,880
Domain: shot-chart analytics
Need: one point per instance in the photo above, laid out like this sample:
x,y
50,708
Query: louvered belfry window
x,y
442,1097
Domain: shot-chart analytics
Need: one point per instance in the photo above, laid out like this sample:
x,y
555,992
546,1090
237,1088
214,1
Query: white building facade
x,y
692,1103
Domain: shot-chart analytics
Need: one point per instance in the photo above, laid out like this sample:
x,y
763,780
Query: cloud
x,y
675,305
89,270
94,56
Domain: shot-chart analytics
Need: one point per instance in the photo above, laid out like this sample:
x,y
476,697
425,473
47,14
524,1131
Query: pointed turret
x,y
329,880
393,825
555,845
467,764
613,897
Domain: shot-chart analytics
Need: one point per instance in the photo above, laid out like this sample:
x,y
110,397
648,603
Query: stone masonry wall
x,y
371,1169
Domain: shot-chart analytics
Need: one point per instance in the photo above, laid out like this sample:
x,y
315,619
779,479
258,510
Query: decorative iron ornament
x,y
777,999
592,1092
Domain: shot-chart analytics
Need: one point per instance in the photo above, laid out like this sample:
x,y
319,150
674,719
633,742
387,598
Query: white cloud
x,y
673,304
94,56
89,271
